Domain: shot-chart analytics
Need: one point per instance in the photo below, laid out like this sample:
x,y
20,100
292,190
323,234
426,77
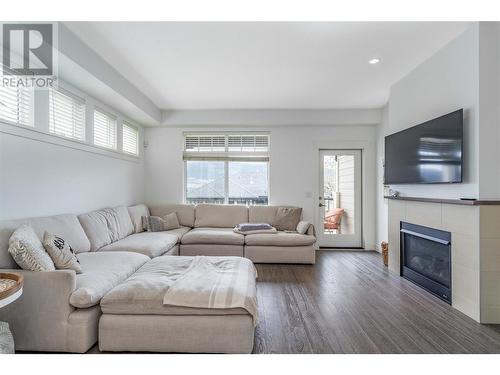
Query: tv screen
x,y
429,153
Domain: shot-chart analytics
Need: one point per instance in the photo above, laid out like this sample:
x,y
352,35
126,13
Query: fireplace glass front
x,y
426,258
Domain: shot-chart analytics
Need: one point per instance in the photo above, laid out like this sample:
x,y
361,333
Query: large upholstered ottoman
x,y
136,319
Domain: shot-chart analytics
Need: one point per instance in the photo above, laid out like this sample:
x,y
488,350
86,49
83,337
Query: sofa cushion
x,y
185,212
220,216
262,214
102,271
136,213
279,239
222,236
143,292
66,226
152,244
179,232
106,226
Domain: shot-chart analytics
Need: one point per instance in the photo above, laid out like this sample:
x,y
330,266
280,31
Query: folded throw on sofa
x,y
216,283
254,228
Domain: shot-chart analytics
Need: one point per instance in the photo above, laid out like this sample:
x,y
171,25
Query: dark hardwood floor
x,y
349,303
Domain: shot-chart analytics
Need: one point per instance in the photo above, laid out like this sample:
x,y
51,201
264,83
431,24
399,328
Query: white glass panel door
x,y
339,203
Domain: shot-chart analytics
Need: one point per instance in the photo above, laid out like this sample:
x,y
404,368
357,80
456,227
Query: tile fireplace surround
x,y
475,248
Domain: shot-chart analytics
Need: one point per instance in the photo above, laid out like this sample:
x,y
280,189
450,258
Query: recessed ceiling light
x,y
373,61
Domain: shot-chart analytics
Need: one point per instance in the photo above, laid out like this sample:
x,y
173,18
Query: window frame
x,y
227,157
109,115
126,123
75,98
31,110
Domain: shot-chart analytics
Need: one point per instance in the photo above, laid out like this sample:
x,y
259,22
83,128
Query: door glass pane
x,y
205,182
248,183
338,194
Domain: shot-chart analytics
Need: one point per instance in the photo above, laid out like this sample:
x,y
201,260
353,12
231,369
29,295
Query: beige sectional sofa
x,y
213,235
60,310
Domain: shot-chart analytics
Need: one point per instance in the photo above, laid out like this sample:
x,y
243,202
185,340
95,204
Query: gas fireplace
x,y
426,258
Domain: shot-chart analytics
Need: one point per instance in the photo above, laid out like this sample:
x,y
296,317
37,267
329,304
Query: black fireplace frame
x,y
439,290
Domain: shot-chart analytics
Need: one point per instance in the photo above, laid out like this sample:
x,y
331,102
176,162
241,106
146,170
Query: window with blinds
x,y
130,139
16,105
104,129
231,168
226,146
66,115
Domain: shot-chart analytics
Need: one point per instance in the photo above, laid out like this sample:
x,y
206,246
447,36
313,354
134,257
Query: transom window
x,y
130,139
226,168
104,129
66,115
16,105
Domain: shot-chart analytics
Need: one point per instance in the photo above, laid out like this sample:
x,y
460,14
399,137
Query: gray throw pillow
x,y
287,218
62,254
28,252
159,224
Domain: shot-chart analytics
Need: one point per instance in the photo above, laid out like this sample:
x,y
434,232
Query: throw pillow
x,y
303,227
28,252
287,218
62,254
152,223
158,224
171,221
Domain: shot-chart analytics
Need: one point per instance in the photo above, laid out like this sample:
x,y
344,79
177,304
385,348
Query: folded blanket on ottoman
x,y
254,228
216,283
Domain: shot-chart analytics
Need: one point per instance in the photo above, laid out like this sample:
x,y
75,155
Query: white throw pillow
x,y
303,227
62,254
27,250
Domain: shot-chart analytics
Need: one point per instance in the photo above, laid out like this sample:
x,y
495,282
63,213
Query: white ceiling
x,y
265,65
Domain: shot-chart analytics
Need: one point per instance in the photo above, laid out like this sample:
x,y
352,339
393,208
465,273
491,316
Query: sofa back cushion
x,y
220,216
262,214
65,226
136,214
185,212
269,214
106,226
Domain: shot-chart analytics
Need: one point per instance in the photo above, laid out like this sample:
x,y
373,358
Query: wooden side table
x,y
11,288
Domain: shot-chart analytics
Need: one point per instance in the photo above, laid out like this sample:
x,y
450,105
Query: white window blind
x,y
66,115
16,105
104,129
130,139
230,146
248,143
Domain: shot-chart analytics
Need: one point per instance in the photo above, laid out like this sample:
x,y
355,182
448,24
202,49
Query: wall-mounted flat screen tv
x,y
429,153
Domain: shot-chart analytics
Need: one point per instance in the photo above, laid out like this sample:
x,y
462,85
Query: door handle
x,y
321,205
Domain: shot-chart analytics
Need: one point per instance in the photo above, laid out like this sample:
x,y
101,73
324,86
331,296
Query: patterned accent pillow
x,y
159,224
62,254
28,252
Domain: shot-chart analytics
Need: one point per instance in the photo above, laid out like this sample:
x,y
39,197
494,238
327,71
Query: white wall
x,y
294,168
39,178
445,82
